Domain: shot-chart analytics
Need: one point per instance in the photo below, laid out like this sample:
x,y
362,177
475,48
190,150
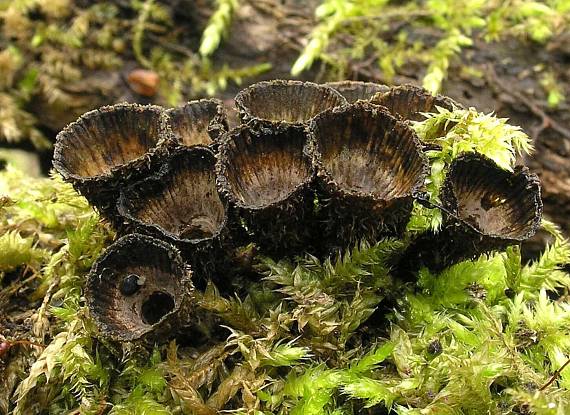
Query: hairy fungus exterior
x,y
140,289
410,101
485,208
369,165
292,102
181,205
357,90
266,174
108,148
199,122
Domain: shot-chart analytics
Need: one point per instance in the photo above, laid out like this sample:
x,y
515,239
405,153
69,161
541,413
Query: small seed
x,y
130,284
144,82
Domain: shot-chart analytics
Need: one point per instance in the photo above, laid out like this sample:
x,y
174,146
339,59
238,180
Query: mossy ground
x,y
303,336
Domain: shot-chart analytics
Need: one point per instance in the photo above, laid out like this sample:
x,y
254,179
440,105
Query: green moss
x,y
309,336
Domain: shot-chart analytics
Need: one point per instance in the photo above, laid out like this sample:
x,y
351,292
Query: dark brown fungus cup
x,y
358,90
199,122
485,208
181,204
369,165
266,174
292,102
409,101
492,201
109,148
140,289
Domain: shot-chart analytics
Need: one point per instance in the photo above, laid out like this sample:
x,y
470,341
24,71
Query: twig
x,y
390,16
138,33
174,47
37,326
102,406
555,375
536,131
547,121
267,7
14,287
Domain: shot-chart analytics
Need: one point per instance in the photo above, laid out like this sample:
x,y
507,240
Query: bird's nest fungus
x,y
312,168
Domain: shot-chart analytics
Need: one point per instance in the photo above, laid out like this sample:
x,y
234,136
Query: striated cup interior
x,y
364,150
357,90
198,122
109,138
264,167
494,201
286,101
183,201
136,285
409,101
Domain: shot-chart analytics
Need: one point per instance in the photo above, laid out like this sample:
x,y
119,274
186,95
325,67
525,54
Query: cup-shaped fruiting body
x,y
292,102
484,208
358,90
266,174
410,101
199,122
488,206
369,166
181,204
493,202
140,289
108,148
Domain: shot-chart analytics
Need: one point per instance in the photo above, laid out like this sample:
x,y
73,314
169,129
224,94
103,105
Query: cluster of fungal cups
x,y
311,168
